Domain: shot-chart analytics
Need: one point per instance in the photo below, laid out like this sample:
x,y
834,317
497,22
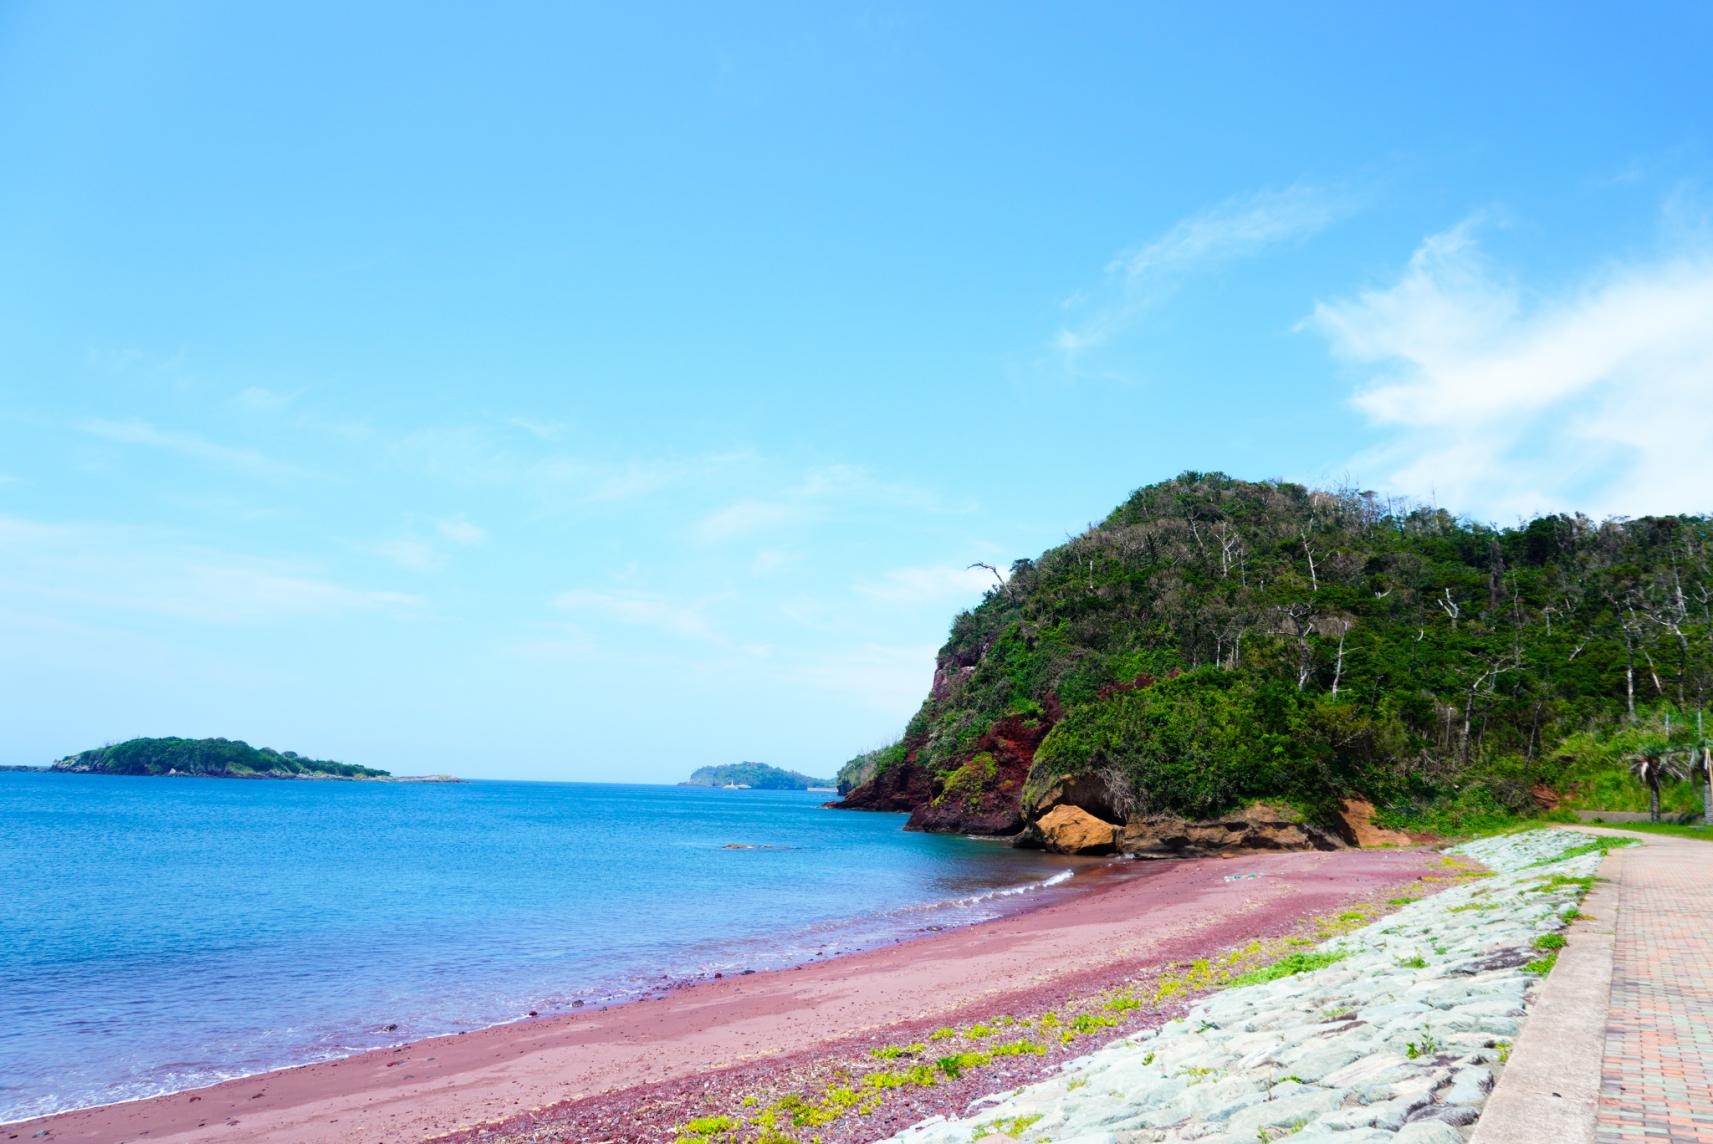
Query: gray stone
x,y
1283,1113
1469,1086
1313,1066
1428,1132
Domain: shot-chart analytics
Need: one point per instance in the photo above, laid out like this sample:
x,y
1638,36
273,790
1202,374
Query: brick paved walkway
x,y
1656,1078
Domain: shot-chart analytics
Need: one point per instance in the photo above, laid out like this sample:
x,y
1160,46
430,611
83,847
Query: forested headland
x,y
208,758
1216,641
758,776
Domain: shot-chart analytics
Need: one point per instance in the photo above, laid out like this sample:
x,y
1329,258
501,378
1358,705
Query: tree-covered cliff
x,y
1217,641
209,758
760,776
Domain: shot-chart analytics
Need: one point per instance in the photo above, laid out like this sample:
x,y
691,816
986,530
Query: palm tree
x,y
1651,763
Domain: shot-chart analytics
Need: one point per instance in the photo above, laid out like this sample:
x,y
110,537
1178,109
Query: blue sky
x,y
561,392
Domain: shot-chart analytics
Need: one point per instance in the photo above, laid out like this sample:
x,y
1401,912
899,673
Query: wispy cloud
x,y
136,432
930,584
638,608
476,455
460,530
889,678
1238,227
262,401
749,516
421,543
119,571
407,552
1509,399
826,493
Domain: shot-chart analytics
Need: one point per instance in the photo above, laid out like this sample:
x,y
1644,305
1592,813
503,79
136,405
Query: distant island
x,y
219,759
756,776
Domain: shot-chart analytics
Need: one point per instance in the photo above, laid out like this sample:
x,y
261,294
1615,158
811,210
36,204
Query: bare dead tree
x,y
1229,543
1004,584
1299,621
1449,607
1343,625
1308,549
1484,683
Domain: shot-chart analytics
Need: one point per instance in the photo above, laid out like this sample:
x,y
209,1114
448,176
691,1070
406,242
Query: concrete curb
x,y
1550,1088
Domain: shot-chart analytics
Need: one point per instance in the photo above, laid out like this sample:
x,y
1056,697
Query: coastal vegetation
x,y
208,758
1214,642
758,776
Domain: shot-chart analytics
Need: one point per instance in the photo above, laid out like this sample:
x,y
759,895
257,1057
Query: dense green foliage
x,y
221,758
1200,742
866,765
757,775
1215,640
1594,765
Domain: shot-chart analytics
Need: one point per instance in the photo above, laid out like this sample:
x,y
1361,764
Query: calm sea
x,y
159,934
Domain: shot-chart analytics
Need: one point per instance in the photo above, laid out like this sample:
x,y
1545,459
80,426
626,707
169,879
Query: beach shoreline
x,y
1130,916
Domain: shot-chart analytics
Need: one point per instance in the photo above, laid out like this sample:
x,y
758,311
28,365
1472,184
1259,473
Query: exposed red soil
x,y
900,789
629,1072
995,804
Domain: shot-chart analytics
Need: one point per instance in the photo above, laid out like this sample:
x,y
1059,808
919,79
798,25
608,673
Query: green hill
x,y
1214,642
759,776
208,758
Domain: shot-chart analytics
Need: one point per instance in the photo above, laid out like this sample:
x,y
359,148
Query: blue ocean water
x,y
158,934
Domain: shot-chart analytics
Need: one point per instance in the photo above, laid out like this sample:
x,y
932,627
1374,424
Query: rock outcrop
x,y
1068,829
1358,817
1257,827
899,789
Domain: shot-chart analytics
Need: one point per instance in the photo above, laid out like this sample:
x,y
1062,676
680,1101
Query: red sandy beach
x,y
1133,917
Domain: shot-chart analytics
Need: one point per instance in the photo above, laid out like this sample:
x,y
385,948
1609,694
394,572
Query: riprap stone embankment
x,y
1400,1039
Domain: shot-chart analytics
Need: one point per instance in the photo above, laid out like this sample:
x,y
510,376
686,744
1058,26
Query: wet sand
x,y
1133,916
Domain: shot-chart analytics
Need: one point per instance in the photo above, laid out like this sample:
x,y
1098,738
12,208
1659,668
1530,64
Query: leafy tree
x,y
1321,643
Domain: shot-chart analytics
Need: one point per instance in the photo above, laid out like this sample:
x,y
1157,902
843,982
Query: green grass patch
x,y
1596,844
1668,829
893,1052
1288,966
706,1129
954,1065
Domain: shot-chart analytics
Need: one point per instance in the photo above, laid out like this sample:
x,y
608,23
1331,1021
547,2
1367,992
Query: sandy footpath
x,y
1133,915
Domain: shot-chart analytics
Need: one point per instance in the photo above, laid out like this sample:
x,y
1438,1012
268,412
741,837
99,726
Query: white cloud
x,y
474,455
135,432
421,543
640,609
928,584
82,570
770,561
1239,227
540,430
745,517
408,552
832,491
461,530
1504,400
889,678
263,401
